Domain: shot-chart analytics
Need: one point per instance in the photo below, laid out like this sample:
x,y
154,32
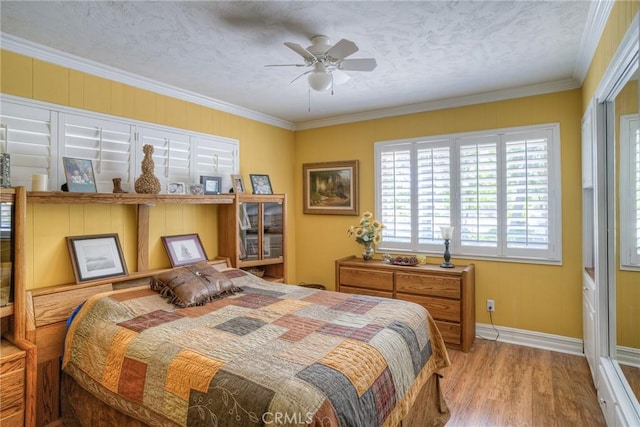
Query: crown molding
x,y
47,54
596,21
462,101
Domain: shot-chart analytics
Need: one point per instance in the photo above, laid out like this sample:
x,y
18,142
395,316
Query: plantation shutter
x,y
478,177
216,157
26,134
433,173
171,155
108,144
527,190
395,207
630,191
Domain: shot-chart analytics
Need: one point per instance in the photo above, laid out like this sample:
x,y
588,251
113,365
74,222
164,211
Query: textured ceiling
x,y
426,51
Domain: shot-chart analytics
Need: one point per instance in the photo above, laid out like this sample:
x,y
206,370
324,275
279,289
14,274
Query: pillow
x,y
194,284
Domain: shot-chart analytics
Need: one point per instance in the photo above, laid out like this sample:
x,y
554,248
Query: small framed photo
x,y
184,249
261,184
196,189
211,184
237,183
96,257
79,175
175,188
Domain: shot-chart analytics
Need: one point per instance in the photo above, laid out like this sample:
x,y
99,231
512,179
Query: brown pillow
x,y
194,284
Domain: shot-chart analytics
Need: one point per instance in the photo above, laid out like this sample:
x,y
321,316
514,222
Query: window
x,y
37,135
630,191
499,189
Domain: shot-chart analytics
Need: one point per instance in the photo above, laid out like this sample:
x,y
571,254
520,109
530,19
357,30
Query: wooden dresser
x,y
447,293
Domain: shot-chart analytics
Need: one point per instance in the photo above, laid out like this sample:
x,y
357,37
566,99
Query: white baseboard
x,y
628,356
531,339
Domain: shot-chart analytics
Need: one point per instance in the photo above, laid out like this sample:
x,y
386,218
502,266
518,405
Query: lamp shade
x,y
320,81
447,232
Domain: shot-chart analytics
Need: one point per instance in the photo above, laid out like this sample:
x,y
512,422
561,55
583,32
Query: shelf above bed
x,y
59,197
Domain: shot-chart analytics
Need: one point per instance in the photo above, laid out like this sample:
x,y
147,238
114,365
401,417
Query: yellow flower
x,y
369,230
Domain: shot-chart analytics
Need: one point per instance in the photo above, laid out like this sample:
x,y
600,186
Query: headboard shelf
x,y
68,198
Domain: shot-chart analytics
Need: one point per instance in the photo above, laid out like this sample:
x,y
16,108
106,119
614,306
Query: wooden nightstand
x,y
12,380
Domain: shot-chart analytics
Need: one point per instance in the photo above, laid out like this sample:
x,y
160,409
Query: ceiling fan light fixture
x,y
320,81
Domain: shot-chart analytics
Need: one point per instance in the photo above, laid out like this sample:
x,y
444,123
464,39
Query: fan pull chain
x,y
309,106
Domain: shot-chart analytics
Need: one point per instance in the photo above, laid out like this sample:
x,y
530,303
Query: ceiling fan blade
x,y
359,64
286,65
303,74
342,49
340,77
308,56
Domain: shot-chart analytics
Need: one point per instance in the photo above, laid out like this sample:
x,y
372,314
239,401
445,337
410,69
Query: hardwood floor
x,y
500,384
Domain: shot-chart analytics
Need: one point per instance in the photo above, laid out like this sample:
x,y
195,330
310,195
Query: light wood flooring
x,y
500,384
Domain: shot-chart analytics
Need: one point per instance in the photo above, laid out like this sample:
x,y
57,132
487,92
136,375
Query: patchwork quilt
x,y
271,354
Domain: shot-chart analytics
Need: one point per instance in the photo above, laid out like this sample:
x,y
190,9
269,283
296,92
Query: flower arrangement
x,y
368,232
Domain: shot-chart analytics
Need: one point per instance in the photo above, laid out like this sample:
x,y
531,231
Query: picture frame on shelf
x,y
330,188
175,188
260,184
79,175
96,257
237,183
211,184
196,189
184,249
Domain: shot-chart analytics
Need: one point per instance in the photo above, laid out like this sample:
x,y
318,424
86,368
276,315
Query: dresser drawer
x,y
12,371
427,284
440,309
450,332
366,278
370,292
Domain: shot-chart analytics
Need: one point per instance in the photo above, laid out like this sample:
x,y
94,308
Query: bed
x,y
265,354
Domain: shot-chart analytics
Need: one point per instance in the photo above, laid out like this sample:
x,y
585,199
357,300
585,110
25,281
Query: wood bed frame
x,y
48,309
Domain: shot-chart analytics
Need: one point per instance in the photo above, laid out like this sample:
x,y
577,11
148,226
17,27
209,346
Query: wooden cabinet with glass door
x,y
252,234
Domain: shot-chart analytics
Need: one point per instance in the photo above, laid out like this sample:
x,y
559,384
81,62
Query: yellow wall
x,y
534,297
264,149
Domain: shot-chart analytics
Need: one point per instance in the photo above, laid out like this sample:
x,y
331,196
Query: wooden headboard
x,y
47,312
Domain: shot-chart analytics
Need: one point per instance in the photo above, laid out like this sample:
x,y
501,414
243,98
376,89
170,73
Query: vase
x,y
368,251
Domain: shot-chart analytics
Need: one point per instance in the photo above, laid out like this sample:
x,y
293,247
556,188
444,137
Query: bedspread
x,y
272,354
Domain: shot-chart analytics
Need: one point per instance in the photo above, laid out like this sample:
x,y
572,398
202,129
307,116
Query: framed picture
x,y
175,188
245,223
330,188
196,189
261,184
211,184
96,257
184,249
79,175
237,183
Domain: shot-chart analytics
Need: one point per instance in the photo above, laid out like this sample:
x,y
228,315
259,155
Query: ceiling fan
x,y
328,62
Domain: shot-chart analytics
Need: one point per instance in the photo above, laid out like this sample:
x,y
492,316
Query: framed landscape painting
x,y
96,257
330,188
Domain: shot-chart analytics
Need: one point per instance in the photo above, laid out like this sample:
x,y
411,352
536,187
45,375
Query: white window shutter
x,y
527,190
27,133
108,144
395,194
216,156
479,194
434,190
171,155
630,191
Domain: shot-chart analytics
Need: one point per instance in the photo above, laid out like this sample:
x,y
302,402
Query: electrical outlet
x,y
491,305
